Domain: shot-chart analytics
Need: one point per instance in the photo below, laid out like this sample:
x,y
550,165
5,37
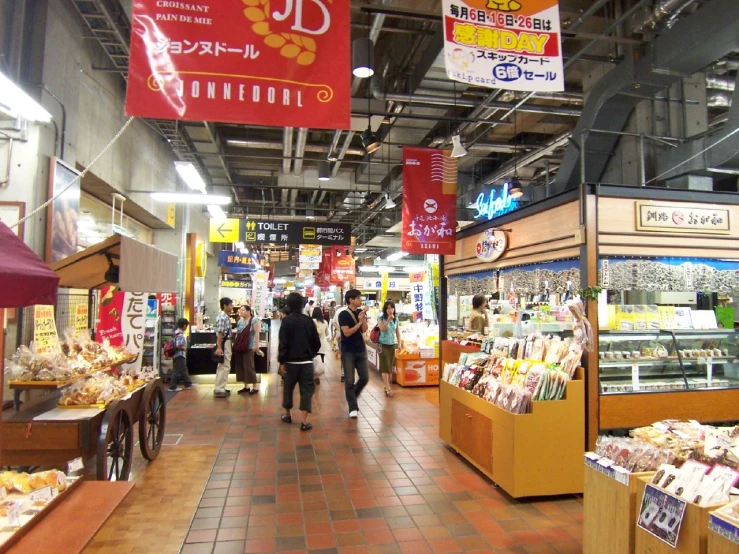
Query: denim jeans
x,y
350,361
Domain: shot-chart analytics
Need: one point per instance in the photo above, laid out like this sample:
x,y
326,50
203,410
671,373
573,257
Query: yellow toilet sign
x,y
224,230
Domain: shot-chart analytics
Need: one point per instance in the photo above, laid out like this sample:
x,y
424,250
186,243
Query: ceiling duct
x,y
300,150
719,83
664,14
683,50
719,99
287,148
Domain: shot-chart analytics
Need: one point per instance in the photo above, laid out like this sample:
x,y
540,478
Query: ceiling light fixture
x,y
369,140
191,198
363,58
389,203
395,256
190,175
16,103
368,269
515,190
216,212
324,171
458,150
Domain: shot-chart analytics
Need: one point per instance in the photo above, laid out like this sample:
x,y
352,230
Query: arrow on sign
x,y
222,231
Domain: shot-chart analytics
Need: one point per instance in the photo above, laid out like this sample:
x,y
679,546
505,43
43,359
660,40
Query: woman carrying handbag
x,y
389,340
245,346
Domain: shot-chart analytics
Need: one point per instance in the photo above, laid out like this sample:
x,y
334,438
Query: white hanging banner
x,y
510,44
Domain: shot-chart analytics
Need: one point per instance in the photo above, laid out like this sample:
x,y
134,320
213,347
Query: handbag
x,y
375,334
242,340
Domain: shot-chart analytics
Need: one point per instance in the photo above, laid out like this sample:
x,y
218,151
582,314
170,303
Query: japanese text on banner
x,y
252,61
511,44
429,201
259,293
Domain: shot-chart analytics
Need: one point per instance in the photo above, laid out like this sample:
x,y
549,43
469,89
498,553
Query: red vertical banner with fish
x,y
429,201
110,315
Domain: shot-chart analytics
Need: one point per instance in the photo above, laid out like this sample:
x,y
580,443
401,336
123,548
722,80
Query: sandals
x,y
388,392
306,426
286,418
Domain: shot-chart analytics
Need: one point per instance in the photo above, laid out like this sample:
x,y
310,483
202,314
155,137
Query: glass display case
x,y
659,361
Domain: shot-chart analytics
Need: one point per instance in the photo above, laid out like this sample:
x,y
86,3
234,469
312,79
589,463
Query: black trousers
x,y
303,376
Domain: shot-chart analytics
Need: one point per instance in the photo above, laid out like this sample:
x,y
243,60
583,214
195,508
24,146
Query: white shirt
x,y
309,310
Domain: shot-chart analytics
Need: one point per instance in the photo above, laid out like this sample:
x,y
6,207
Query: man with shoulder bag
x,y
353,322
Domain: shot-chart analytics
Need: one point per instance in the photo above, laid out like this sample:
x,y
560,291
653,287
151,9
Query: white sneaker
x,y
353,414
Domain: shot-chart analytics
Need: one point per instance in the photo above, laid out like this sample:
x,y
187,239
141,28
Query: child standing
x,y
179,373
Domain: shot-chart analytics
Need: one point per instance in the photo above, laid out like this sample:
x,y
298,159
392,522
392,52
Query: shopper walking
x,y
335,332
389,341
245,347
179,371
223,347
298,345
353,322
322,328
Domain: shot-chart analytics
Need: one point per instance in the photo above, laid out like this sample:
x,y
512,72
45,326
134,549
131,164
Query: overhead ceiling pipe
x,y
719,83
287,148
342,153
448,100
664,12
274,145
334,144
300,150
720,99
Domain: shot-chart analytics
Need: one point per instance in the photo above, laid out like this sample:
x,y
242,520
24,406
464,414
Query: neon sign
x,y
492,206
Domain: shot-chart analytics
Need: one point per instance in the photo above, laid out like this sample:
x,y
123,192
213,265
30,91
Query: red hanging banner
x,y
429,201
342,267
260,62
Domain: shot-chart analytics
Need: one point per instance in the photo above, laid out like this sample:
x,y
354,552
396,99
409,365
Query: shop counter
x,y
200,359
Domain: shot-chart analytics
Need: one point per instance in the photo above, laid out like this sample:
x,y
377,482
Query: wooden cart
x,y
26,439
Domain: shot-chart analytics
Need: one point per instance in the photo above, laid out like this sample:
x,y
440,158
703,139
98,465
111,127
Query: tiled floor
x,y
382,483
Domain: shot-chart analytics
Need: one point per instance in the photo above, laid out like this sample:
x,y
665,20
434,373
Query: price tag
x,y
592,456
41,496
605,462
75,465
14,515
634,376
709,371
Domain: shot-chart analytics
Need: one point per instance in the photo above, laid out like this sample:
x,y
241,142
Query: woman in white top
x,y
322,328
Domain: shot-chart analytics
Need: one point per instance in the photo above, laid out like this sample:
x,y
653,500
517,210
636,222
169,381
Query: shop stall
x,y
30,438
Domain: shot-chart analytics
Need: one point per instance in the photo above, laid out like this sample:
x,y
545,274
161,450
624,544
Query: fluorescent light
x,y
385,269
310,217
360,249
216,212
396,256
85,224
16,103
190,198
368,269
190,175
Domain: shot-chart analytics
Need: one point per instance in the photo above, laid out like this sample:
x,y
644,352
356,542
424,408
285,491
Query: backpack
x,y
169,349
241,344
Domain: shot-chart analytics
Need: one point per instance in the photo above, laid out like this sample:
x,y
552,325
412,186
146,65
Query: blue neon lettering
x,y
491,206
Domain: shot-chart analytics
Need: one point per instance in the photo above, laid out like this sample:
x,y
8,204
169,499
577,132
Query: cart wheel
x,y
115,445
152,417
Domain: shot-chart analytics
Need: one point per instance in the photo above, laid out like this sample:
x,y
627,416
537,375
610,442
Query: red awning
x,y
25,279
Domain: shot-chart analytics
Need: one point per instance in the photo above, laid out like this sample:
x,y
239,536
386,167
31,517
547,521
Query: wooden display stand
x,y
450,351
723,534
693,537
413,371
536,454
609,510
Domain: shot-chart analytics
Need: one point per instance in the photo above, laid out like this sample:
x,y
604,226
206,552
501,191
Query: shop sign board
x,y
508,44
682,218
45,337
305,273
63,213
228,284
374,283
496,203
296,232
429,201
310,253
491,245
236,262
342,269
253,62
133,324
420,295
224,230
81,319
661,515
309,265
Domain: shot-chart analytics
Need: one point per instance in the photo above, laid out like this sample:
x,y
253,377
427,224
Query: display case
x,y
649,361
645,376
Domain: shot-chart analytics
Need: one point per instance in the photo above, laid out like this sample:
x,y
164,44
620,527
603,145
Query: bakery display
x,y
100,389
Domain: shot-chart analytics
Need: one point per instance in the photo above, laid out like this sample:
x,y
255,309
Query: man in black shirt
x,y
298,345
353,322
